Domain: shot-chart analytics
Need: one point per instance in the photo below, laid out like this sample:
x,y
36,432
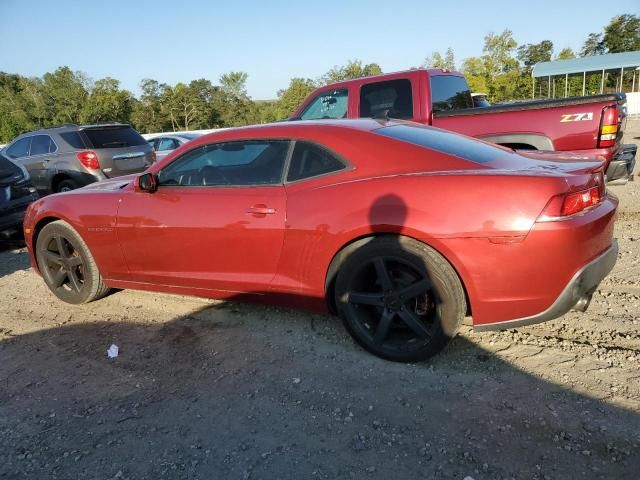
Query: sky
x,y
273,41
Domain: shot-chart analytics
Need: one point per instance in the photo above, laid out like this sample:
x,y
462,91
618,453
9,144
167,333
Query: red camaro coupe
x,y
400,229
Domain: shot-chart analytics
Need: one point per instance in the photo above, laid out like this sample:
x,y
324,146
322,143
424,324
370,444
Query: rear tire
x,y
67,266
399,299
66,185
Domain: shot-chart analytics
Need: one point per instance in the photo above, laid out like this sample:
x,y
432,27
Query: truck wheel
x,y
399,299
67,266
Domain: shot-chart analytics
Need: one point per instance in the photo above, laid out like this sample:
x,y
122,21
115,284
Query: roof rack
x,y
62,125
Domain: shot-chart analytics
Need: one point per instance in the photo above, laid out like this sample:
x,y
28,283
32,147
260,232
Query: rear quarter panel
x,y
322,218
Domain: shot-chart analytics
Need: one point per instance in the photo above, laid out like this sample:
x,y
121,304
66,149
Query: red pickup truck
x,y
439,97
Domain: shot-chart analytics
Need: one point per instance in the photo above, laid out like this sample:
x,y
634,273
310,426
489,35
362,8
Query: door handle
x,y
261,209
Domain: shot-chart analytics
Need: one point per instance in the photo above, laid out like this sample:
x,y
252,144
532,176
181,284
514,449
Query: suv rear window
x,y
445,142
449,92
114,137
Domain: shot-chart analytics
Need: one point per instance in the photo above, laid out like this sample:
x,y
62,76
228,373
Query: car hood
x,y
112,184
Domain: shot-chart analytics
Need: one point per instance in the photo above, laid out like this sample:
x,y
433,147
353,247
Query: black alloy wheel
x,y
399,299
66,264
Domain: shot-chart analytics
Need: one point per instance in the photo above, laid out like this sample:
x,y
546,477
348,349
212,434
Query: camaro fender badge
x,y
100,229
576,117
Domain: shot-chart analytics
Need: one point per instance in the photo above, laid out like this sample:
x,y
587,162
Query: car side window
x,y
240,163
73,139
19,149
310,160
392,99
328,104
41,144
166,144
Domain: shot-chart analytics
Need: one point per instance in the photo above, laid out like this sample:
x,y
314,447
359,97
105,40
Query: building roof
x,y
593,63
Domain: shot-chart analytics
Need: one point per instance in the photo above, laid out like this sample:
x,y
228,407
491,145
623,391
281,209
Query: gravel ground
x,y
206,389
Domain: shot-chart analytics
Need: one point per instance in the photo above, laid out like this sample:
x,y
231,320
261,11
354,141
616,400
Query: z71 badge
x,y
576,117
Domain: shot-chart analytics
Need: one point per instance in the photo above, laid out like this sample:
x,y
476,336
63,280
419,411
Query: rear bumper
x,y
620,169
576,294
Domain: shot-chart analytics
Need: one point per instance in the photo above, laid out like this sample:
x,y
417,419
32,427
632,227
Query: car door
x,y
19,152
38,161
216,221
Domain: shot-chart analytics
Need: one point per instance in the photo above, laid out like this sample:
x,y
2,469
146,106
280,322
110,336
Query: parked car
x,y
401,229
439,97
16,193
70,156
165,144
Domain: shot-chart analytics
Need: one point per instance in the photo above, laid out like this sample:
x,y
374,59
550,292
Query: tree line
x,y
503,72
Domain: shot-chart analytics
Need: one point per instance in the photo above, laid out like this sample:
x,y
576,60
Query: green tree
x,y
566,54
291,97
235,84
531,53
107,103
436,60
147,115
501,69
622,34
353,69
234,105
64,92
593,45
473,70
16,109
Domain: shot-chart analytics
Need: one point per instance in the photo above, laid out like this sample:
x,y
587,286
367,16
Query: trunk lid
x,y
119,148
550,163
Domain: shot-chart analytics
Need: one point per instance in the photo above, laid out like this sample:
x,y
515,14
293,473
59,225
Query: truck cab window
x,y
450,92
391,99
328,104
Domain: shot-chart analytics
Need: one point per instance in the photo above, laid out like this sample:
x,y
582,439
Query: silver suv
x,y
71,156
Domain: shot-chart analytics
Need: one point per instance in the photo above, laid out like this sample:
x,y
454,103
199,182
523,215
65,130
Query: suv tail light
x,y
608,127
89,159
567,204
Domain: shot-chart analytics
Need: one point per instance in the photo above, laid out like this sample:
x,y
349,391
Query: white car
x,y
165,144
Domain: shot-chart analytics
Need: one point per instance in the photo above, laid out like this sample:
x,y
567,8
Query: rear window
x,y
449,92
114,137
391,98
444,142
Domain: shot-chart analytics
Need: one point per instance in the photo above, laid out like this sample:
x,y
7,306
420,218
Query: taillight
x,y
608,127
568,204
89,159
153,155
579,201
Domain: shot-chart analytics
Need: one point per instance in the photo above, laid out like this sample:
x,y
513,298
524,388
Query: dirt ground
x,y
208,390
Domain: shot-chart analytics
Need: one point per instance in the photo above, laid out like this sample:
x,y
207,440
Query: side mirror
x,y
148,182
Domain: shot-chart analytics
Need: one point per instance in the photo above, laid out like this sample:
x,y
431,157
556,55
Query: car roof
x,y
276,128
391,75
75,127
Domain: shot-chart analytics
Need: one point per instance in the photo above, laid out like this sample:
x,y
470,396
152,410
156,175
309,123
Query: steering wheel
x,y
211,175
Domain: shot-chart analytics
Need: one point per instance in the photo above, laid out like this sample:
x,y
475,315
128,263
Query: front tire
x,y
67,266
399,299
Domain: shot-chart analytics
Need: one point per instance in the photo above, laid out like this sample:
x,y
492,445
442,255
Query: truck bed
x,y
533,105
